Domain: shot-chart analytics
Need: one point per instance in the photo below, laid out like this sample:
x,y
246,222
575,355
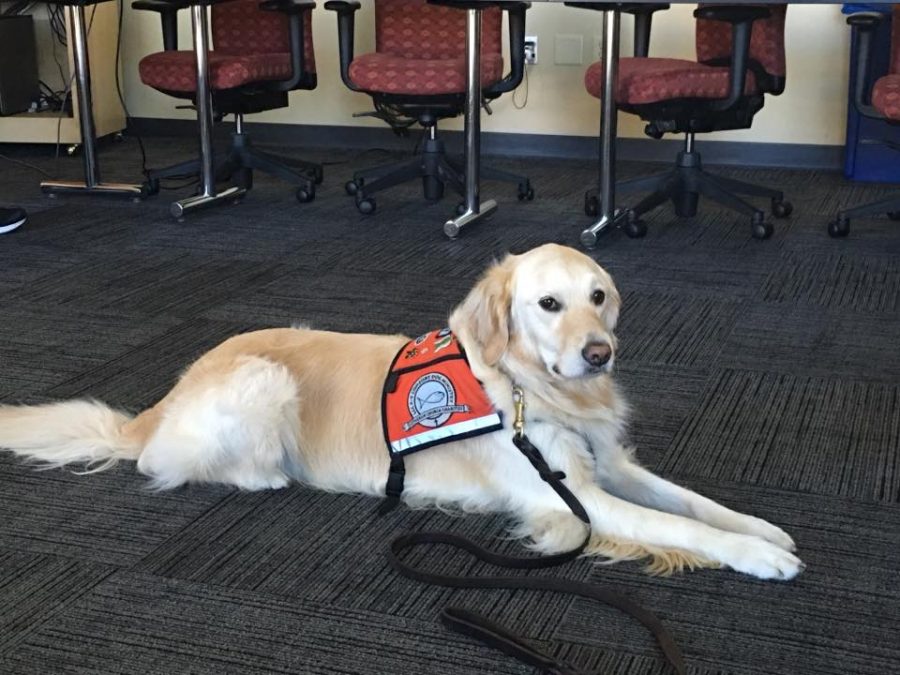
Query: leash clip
x,y
519,407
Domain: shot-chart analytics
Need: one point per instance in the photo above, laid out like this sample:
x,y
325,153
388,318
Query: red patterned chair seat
x,y
649,80
390,74
886,96
177,70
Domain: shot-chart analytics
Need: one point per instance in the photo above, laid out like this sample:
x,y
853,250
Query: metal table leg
x,y
474,208
609,216
91,183
208,195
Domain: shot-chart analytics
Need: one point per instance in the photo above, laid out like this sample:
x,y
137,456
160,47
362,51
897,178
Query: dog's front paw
x,y
771,533
762,559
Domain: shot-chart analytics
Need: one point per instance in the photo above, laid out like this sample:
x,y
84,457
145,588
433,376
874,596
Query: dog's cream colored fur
x,y
265,408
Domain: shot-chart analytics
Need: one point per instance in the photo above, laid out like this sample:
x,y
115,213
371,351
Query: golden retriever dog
x,y
274,406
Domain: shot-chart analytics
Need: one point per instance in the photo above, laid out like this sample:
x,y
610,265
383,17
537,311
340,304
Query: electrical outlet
x,y
531,50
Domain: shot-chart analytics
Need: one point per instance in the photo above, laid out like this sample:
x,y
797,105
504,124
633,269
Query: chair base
x,y
684,186
182,207
840,227
136,192
435,168
240,162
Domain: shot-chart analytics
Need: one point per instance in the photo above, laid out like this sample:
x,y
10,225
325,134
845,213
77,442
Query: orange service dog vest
x,y
431,396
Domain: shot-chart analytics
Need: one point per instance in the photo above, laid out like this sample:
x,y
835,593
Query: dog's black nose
x,y
597,353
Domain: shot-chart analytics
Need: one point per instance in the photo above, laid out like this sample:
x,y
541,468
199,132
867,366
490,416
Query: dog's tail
x,y
56,434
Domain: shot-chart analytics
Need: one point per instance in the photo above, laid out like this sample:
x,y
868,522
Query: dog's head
x,y
551,309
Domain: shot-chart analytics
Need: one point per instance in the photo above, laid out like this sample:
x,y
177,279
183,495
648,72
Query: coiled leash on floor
x,y
494,635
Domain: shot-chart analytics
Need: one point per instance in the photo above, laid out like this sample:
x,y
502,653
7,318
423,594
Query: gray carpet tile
x,y
661,399
34,588
60,343
135,623
837,280
152,285
669,330
837,437
412,303
697,271
138,377
811,340
109,518
763,374
305,544
840,616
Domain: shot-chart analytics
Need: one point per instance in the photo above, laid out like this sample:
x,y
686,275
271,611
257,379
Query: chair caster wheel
x,y
894,215
591,205
635,228
305,195
762,230
366,205
461,208
351,187
781,208
150,187
525,192
839,228
318,175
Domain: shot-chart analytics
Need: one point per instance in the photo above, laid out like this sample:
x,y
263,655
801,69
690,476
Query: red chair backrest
x,y
414,29
240,27
713,39
895,40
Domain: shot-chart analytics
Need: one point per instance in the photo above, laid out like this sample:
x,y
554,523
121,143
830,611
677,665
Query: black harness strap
x,y
495,635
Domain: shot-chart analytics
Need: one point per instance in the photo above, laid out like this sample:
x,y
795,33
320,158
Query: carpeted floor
x,y
764,374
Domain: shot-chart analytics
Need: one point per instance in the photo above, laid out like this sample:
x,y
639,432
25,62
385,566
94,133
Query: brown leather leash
x,y
495,635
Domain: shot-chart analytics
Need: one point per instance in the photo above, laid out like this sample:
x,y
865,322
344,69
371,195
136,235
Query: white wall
x,y
811,110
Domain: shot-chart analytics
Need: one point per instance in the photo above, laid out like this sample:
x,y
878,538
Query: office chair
x,y
740,59
881,101
262,50
417,74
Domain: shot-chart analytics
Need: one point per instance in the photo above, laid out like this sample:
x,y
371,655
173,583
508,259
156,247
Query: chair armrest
x,y
294,9
731,13
168,16
477,4
643,19
864,25
516,12
287,6
346,18
741,20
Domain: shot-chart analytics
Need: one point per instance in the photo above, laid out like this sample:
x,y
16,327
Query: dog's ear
x,y
612,304
483,317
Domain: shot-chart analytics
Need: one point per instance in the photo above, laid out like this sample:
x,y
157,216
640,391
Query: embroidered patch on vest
x,y
431,396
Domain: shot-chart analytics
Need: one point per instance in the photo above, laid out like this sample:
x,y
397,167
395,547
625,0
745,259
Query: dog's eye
x,y
597,297
550,304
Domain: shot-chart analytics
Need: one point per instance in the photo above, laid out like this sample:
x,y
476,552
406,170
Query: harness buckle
x,y
519,407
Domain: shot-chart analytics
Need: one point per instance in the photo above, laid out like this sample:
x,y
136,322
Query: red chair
x,y
417,74
740,59
261,51
881,101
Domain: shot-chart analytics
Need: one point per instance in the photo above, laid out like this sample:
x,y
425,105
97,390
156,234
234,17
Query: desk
x,y
92,184
108,113
609,216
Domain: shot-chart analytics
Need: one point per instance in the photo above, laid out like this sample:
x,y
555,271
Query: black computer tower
x,y
18,64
